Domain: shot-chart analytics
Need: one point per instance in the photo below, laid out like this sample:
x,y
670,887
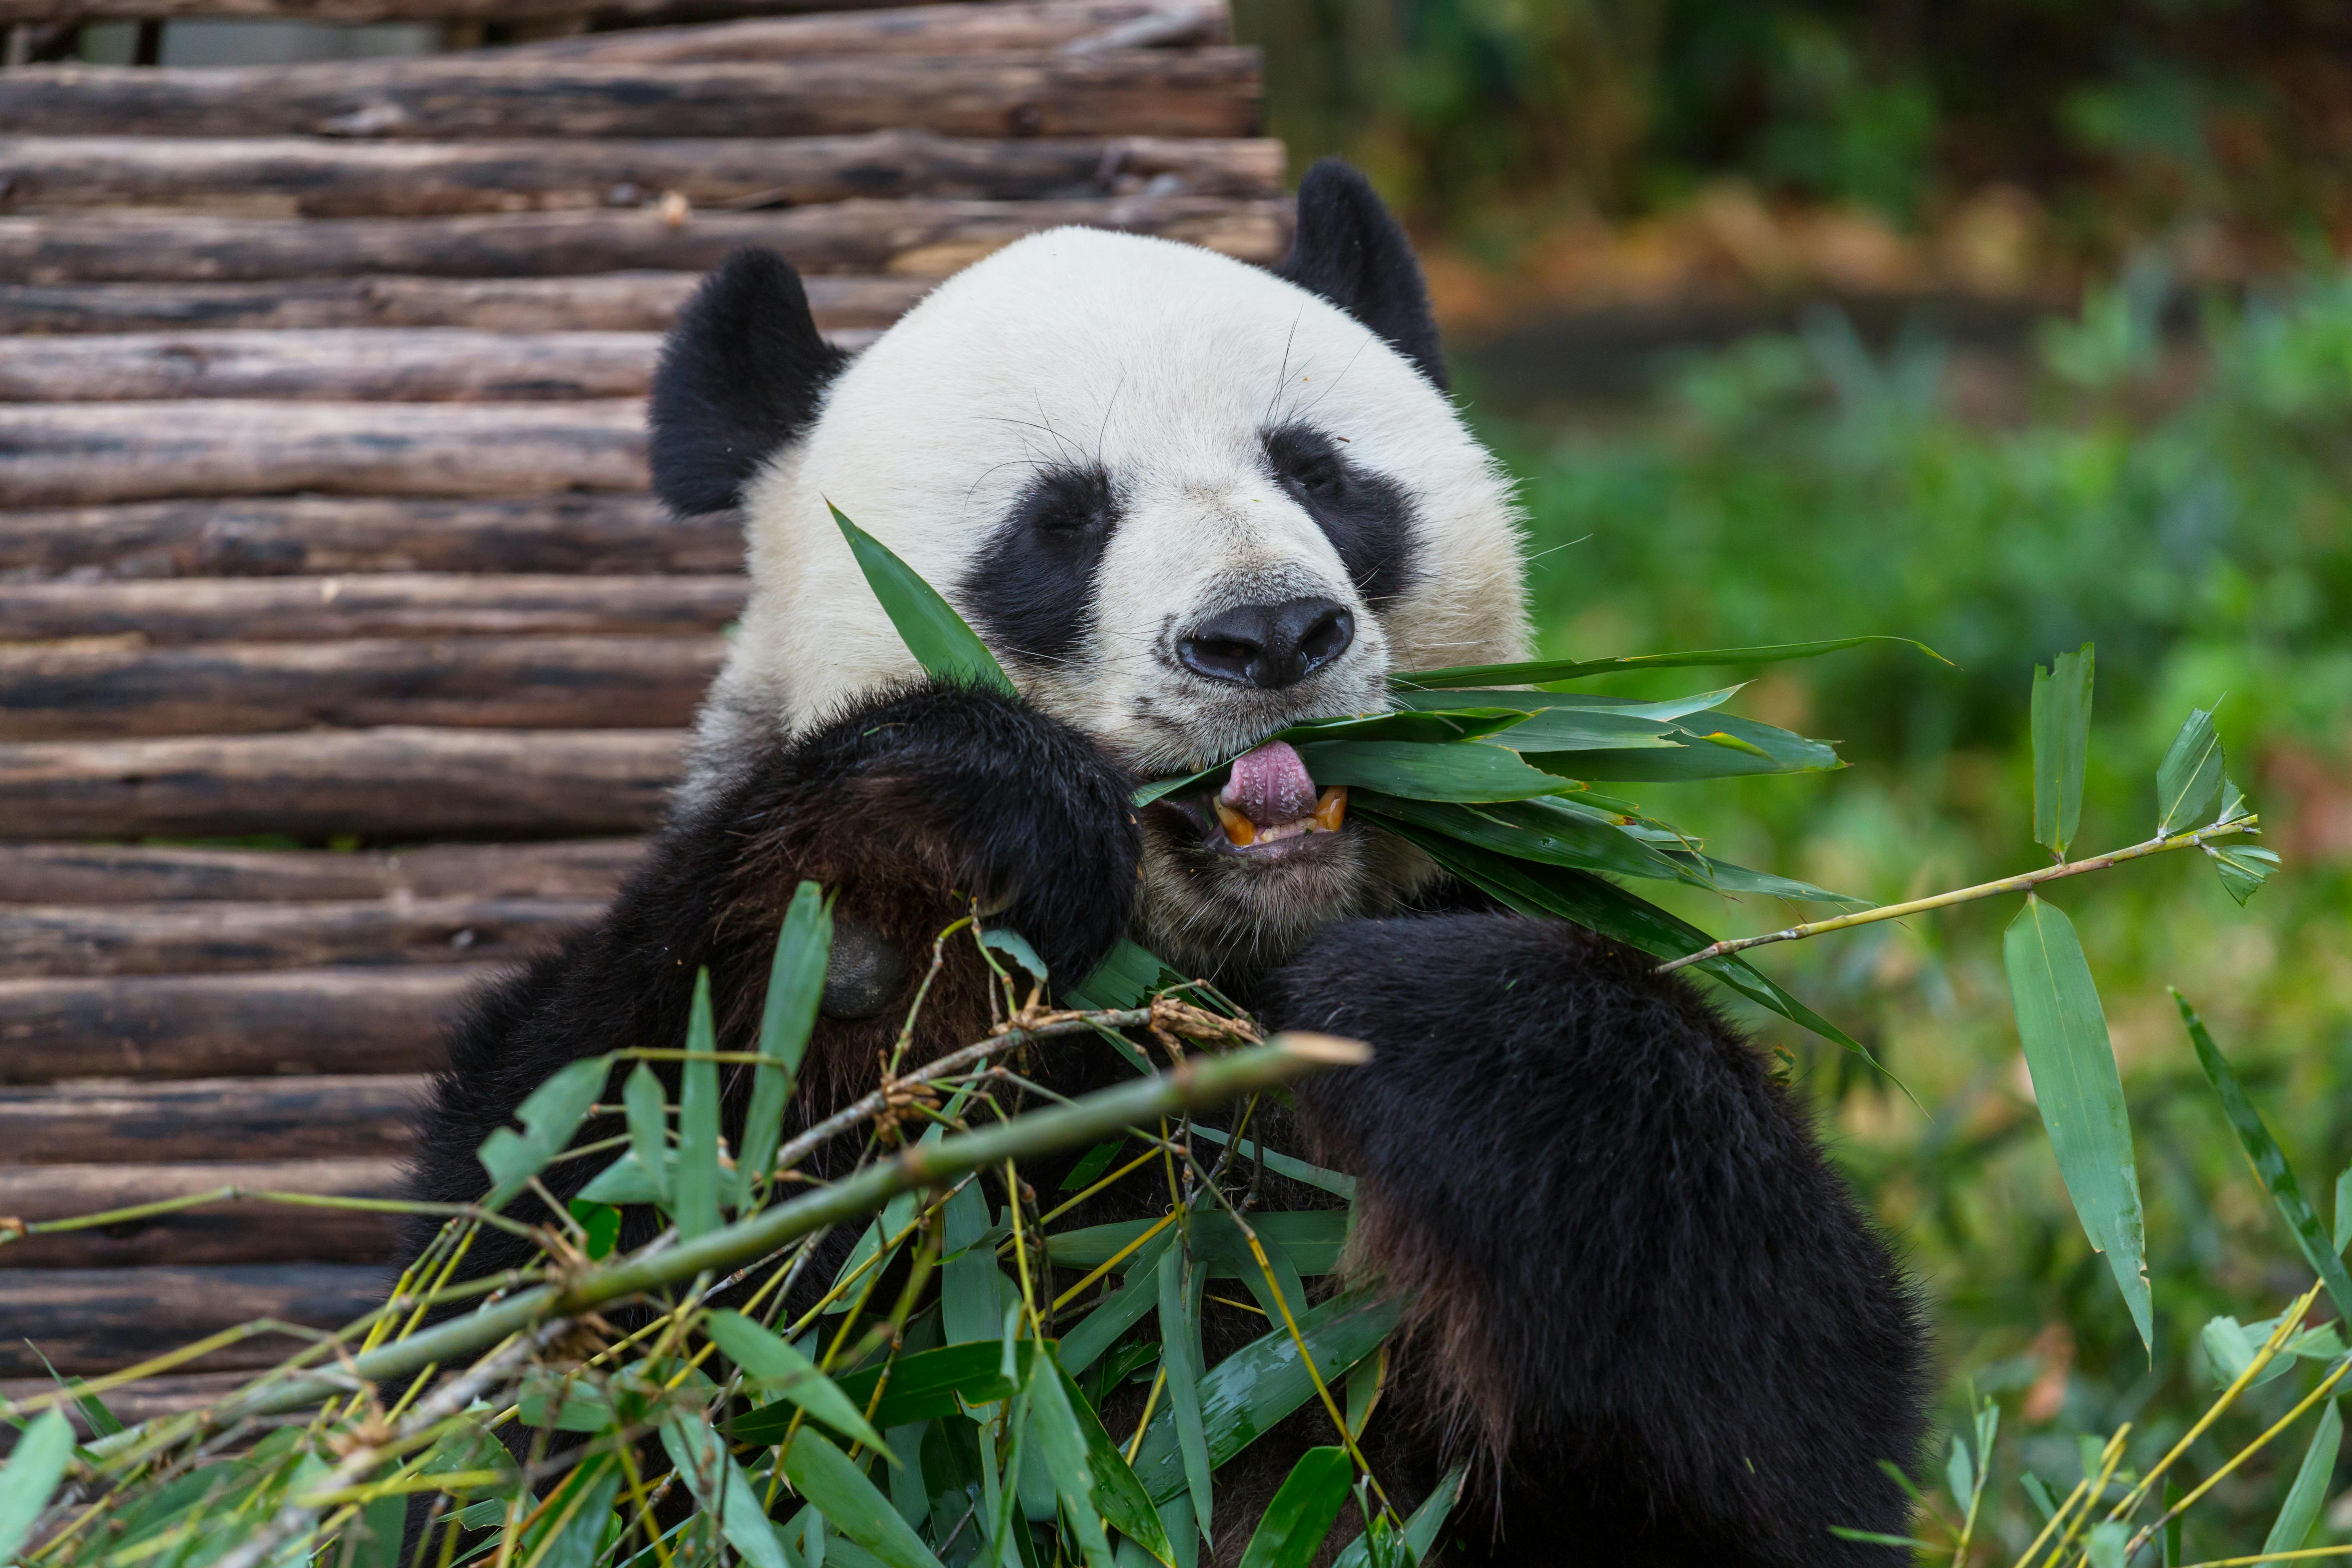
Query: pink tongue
x,y
1270,786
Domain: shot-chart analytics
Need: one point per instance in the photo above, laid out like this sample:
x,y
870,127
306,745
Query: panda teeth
x,y
1330,811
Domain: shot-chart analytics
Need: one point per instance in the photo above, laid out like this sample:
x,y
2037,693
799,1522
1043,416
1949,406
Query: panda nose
x,y
1268,645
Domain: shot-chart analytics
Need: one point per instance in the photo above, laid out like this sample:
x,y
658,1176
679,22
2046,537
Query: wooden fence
x,y
323,521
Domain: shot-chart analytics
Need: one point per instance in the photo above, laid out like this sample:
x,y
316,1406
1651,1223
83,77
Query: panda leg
x,y
1639,1294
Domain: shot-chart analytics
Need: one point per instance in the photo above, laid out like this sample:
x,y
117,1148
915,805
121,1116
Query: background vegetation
x,y
2164,468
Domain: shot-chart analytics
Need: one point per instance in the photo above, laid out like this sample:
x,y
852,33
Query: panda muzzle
x,y
1271,797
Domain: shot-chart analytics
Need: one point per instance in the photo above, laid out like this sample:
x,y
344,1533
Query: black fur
x,y
1638,1281
741,373
1348,249
1033,591
1367,516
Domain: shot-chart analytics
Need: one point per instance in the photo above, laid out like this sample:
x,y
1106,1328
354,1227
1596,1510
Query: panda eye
x,y
1068,503
1305,461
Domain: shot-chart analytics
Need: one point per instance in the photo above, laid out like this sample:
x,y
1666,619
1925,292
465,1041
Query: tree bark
x,y
414,364
395,605
395,786
241,1231
1105,92
265,1023
916,238
596,535
64,454
589,868
279,177
847,308
88,1320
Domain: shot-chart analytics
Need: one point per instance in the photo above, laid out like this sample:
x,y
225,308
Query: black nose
x,y
1268,645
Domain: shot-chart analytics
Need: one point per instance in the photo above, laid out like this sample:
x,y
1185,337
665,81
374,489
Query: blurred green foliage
x,y
2125,116
1804,486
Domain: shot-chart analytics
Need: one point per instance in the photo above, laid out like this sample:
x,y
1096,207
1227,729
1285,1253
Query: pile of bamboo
x,y
324,520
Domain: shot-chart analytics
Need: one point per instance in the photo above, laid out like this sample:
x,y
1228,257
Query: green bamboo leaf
x,y
1726,878
1550,831
1539,673
1091,1165
1314,1237
777,1368
2343,1208
2064,1033
1248,1393
971,1285
2188,780
2298,1517
1465,721
549,1116
2269,1161
1126,974
1053,1409
925,1385
1468,770
1720,747
648,1118
2242,867
795,984
1303,1511
852,1504
1179,1328
941,643
623,1182
1420,1529
2061,740
571,1526
1575,728
31,1477
600,1223
2105,1545
722,1489
1015,946
1665,710
1100,1329
380,1524
565,1404
1117,1491
1283,1164
696,1179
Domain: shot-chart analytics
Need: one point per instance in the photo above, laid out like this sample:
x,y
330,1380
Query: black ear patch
x,y
1350,250
740,376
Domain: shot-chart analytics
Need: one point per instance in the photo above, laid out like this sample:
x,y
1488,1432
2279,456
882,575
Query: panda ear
x,y
1350,250
740,374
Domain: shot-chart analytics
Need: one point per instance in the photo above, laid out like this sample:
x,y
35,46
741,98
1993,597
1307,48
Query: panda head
x,y
1186,501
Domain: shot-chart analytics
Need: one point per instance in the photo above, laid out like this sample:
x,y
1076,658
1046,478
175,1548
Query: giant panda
x,y
1186,502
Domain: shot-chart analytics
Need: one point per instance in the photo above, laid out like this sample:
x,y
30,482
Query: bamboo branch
x,y
2025,882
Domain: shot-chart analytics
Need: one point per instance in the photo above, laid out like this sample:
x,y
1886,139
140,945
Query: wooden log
x,y
101,1122
100,688
283,176
63,454
918,238
238,1231
146,1400
1015,27
561,13
395,785
1106,92
589,868
599,535
415,364
88,1321
392,605
848,308
272,1022
176,939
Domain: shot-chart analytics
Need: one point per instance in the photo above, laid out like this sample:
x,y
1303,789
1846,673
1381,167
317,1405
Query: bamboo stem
x,y
2024,882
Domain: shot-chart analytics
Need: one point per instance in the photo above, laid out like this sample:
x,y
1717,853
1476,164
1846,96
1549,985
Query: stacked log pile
x,y
342,652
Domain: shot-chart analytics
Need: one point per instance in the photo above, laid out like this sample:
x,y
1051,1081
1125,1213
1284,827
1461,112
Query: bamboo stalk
x,y
2025,882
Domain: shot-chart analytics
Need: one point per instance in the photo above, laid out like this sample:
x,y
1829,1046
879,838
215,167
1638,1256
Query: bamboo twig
x,y
2024,882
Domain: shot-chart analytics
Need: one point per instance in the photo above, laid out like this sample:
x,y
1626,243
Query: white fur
x,y
1164,363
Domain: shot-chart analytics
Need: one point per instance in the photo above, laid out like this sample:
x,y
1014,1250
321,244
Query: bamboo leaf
x,y
31,1475
2343,1208
623,1182
1126,974
1665,710
2061,739
600,1223
697,1180
2188,780
969,1281
1496,710
1420,1529
1179,1348
2064,1033
946,649
2298,1517
778,1368
1053,1409
795,985
380,1524
2104,1544
850,1503
925,1385
648,1118
722,1489
1015,946
2269,1161
1117,1491
572,1525
1722,747
549,1116
2243,868
1546,830
1303,1511
1284,1164
1248,1394
1538,673
1468,770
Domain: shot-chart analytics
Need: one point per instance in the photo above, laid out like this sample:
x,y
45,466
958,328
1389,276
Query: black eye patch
x,y
1366,516
1032,590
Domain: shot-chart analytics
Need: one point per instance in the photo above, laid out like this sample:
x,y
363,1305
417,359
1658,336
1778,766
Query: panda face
x,y
1187,503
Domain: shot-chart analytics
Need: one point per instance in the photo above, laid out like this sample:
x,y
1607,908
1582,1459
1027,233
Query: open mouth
x,y
1268,804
